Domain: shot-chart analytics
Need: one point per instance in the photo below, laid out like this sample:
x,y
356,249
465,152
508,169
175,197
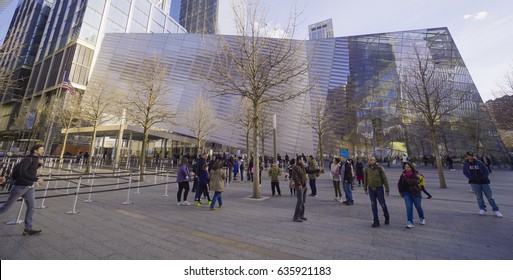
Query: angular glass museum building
x,y
361,75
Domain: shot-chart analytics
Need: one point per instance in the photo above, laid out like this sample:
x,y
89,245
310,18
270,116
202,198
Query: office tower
x,y
197,16
73,32
19,53
321,30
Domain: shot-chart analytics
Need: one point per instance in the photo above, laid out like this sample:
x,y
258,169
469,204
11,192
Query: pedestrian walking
x,y
409,189
477,174
292,188
376,186
313,172
298,180
25,178
203,180
335,176
359,171
217,177
422,187
183,178
347,178
242,168
275,173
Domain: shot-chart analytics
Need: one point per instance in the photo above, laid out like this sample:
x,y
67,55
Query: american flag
x,y
66,84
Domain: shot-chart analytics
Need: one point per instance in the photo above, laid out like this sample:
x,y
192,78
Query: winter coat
x,y
375,177
217,177
275,173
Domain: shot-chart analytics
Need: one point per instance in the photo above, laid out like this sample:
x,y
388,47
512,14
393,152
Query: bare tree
x,y
68,116
244,118
99,105
260,69
201,120
148,104
322,120
265,130
505,86
429,95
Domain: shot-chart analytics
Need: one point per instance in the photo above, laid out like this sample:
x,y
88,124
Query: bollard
x,y
90,190
127,202
73,210
44,195
17,221
165,192
138,191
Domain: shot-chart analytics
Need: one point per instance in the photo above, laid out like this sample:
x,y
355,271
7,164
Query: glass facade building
x,y
321,30
362,75
197,16
71,36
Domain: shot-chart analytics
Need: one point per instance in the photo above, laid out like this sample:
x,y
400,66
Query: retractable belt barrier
x,y
91,184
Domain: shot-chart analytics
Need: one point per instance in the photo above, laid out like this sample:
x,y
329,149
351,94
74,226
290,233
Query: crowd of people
x,y
213,172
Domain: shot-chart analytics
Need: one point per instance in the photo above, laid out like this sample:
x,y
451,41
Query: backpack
x,y
16,170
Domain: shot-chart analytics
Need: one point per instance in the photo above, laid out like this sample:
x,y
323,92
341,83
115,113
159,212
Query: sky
x,y
482,29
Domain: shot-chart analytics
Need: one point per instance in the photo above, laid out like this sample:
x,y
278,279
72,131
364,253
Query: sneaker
x,y
179,203
303,218
409,225
31,232
375,224
297,220
471,190
314,195
422,222
198,204
185,203
429,197
498,214
209,202
482,212
212,209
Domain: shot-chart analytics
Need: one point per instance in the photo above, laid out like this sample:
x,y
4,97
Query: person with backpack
x,y
375,184
410,191
24,175
335,176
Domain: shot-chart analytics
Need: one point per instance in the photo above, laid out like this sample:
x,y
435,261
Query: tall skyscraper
x,y
19,53
197,16
321,30
70,36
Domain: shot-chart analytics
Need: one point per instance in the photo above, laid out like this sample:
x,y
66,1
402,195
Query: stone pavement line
x,y
207,236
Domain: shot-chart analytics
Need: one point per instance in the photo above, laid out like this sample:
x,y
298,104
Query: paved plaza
x,y
154,227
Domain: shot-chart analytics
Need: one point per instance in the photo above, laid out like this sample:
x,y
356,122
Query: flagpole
x,y
50,129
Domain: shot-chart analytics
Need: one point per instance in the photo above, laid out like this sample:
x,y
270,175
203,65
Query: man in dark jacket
x,y
298,176
24,187
477,174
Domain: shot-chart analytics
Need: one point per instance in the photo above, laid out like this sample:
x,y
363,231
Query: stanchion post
x,y
17,221
156,174
90,190
128,193
117,184
46,190
73,210
165,191
138,191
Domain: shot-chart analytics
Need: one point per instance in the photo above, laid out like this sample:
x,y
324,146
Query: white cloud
x,y
477,16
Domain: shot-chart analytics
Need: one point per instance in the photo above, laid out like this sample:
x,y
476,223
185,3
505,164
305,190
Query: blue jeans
x,y
29,194
217,196
378,195
479,190
348,192
410,200
313,186
299,212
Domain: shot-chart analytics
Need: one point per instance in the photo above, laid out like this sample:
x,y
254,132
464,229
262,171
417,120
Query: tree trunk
x,y
142,160
199,148
256,165
247,143
61,158
91,150
438,161
321,158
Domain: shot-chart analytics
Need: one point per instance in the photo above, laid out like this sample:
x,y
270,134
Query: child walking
x,y
217,178
203,186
